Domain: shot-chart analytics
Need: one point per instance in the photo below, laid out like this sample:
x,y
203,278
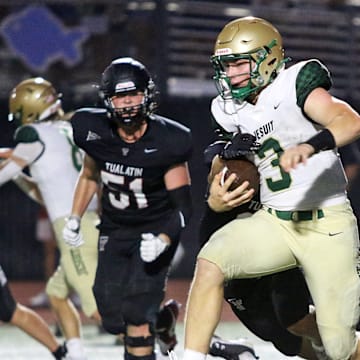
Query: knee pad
x,y
140,341
7,304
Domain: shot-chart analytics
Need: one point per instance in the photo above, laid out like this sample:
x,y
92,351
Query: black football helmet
x,y
127,75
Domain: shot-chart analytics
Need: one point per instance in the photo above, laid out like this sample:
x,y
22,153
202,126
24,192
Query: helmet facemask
x,y
130,117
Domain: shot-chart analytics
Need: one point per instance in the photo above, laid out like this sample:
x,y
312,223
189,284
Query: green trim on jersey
x,y
311,76
26,134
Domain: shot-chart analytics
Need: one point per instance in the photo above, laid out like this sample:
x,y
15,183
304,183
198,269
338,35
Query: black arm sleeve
x,y
181,201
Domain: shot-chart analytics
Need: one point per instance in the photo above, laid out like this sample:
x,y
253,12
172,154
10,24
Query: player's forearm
x,y
84,192
8,170
345,126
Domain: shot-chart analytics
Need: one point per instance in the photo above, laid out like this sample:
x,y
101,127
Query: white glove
x,y
151,247
71,232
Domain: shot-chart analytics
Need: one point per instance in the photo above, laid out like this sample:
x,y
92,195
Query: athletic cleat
x,y
165,326
240,349
39,300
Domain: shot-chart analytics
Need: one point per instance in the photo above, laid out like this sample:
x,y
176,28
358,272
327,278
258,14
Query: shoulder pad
x,y
26,134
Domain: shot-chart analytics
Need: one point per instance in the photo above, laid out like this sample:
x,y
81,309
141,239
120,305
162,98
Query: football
x,y
244,170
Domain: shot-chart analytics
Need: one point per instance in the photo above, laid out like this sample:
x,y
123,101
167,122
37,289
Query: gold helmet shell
x,y
250,38
34,100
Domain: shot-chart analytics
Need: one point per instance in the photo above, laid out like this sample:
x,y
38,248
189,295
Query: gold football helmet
x,y
34,100
253,39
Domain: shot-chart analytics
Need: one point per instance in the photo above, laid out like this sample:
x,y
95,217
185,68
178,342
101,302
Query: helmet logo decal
x,y
125,86
223,51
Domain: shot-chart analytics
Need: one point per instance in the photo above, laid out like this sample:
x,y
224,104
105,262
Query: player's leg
x,y
58,290
115,262
31,323
251,300
242,248
207,284
141,307
66,314
81,263
327,249
27,320
291,303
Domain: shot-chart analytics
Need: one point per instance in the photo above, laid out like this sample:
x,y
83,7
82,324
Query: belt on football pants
x,y
301,215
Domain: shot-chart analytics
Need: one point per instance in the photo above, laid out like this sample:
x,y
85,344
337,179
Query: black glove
x,y
239,146
212,150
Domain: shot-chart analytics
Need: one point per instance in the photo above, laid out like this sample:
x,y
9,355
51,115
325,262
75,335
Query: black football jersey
x,y
132,174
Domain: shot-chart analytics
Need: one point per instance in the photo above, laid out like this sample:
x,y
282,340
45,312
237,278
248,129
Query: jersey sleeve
x,y
26,134
78,121
311,76
87,126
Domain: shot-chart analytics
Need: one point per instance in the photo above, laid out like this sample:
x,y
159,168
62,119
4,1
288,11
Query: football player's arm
x,y
178,182
86,186
340,121
341,126
335,115
22,155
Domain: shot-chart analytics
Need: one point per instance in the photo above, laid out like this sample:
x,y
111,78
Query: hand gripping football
x,y
244,170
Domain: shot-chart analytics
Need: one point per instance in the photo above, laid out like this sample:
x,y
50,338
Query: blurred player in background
x,y
44,145
141,161
27,320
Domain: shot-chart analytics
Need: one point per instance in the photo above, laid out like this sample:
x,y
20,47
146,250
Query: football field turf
x,y
16,345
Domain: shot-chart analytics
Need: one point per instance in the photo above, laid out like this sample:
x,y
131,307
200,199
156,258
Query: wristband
x,y
324,140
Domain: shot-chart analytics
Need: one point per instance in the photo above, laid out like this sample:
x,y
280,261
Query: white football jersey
x,y
57,168
278,123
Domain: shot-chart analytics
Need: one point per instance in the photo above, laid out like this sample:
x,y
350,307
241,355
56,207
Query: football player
x,y
276,307
27,320
140,160
45,146
306,219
